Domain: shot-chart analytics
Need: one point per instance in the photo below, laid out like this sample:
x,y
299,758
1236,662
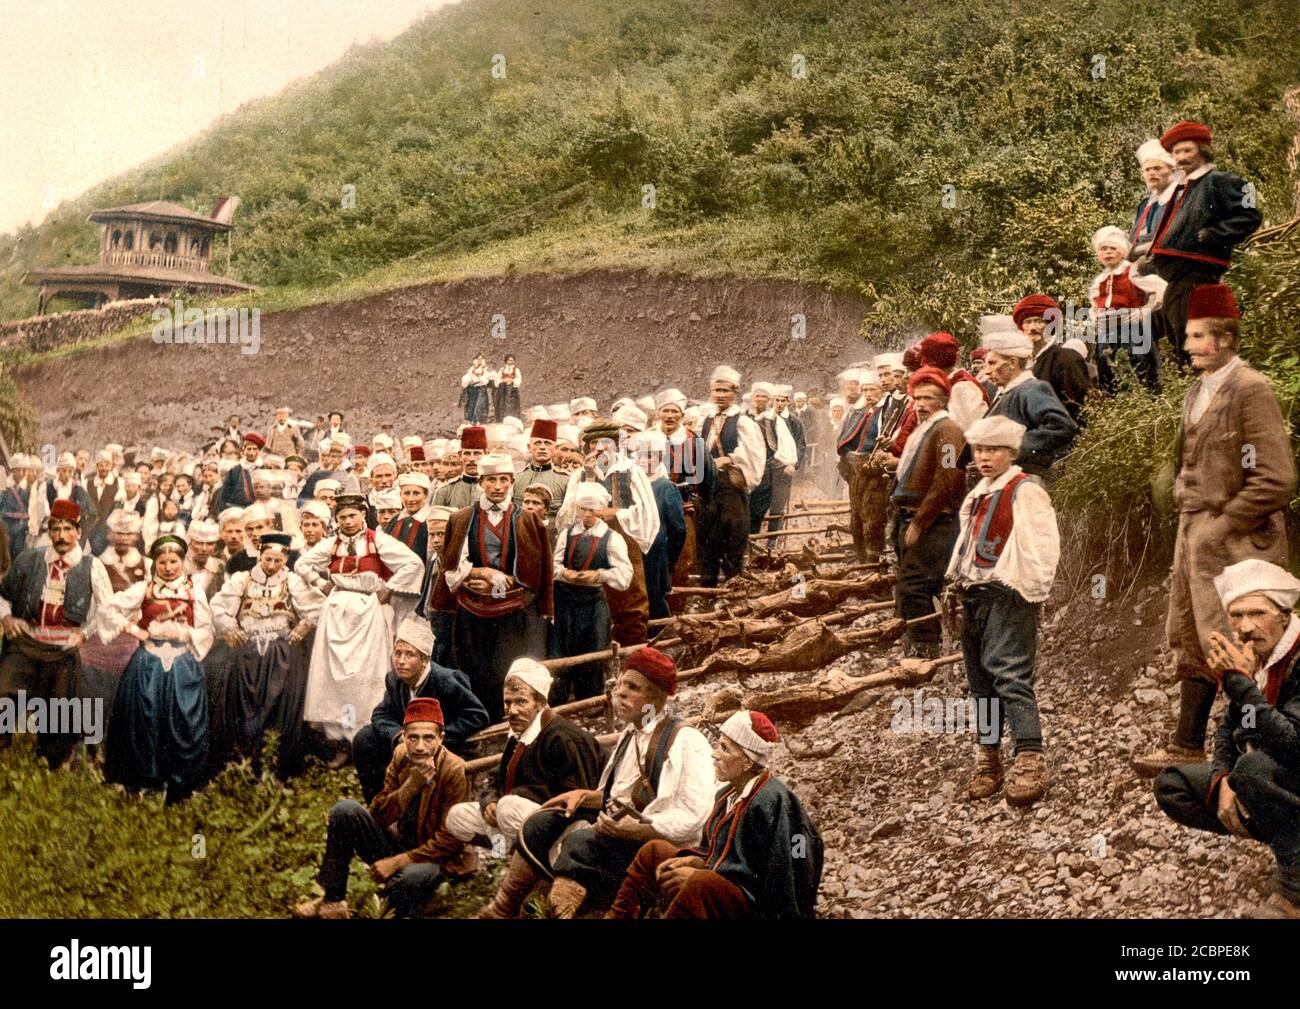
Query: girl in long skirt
x,y
507,390
160,713
475,385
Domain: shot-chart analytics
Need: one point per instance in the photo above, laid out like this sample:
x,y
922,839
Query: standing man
x,y
1059,366
284,439
1209,215
237,488
541,446
463,491
739,454
691,470
48,601
105,491
1235,479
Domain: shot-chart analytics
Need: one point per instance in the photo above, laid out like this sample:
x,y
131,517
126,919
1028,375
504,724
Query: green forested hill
x,y
1029,110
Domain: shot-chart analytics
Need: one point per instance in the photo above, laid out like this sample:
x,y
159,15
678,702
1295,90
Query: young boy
x,y
1122,303
1002,569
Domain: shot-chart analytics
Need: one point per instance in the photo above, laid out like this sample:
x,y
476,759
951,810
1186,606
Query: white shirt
x,y
618,576
966,404
1209,384
101,588
407,569
306,601
530,734
1289,637
1028,561
750,455
476,377
787,453
686,781
1152,283
640,519
124,608
463,567
1021,379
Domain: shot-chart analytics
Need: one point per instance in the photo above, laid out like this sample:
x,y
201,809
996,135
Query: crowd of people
x,y
384,602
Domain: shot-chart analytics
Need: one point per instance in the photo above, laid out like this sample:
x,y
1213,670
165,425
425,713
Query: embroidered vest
x,y
76,594
367,560
165,610
730,437
991,521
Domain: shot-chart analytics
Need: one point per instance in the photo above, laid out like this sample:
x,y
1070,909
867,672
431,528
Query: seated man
x,y
544,756
761,856
1252,786
414,675
401,835
658,785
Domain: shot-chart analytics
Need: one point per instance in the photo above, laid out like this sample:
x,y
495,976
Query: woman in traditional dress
x,y
160,714
588,556
359,569
264,615
507,390
474,390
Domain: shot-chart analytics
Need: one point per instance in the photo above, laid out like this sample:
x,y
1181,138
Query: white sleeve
x,y
306,599
313,562
113,616
640,520
466,378
201,636
1035,546
686,789
568,510
751,451
518,377
618,576
406,566
101,591
462,569
967,404
1154,285
561,544
787,453
225,604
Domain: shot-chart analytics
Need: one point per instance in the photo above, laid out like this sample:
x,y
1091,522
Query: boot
x,y
1028,779
516,883
1276,906
986,778
565,898
1148,765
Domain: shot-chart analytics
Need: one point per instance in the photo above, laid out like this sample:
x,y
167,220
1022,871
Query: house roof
x,y
157,210
134,274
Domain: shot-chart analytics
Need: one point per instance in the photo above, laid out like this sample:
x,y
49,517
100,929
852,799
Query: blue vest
x,y
490,555
25,582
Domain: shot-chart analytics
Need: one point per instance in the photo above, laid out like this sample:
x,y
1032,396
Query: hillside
x,y
836,178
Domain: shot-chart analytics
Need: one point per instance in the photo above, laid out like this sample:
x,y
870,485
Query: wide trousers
x,y
705,895
920,573
1269,792
723,533
51,679
354,832
999,642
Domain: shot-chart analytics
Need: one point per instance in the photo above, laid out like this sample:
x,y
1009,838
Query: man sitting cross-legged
x,y
544,756
761,856
401,835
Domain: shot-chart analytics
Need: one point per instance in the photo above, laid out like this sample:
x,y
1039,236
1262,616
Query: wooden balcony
x,y
168,261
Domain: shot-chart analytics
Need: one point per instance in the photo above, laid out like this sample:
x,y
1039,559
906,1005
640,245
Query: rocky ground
x,y
902,839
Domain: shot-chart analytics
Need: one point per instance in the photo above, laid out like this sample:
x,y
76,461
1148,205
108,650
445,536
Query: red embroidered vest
x,y
991,521
165,610
341,564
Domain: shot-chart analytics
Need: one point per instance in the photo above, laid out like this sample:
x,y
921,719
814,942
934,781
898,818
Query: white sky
x,y
91,88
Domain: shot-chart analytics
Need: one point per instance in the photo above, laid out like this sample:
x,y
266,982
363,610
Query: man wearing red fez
x,y
760,857
401,835
1064,369
1210,214
930,484
237,487
1236,478
541,443
48,600
969,400
463,491
657,785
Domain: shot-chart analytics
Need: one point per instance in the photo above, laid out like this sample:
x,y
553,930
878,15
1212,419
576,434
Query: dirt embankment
x,y
400,355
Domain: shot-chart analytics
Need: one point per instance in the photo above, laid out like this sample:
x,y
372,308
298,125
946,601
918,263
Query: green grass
x,y
242,847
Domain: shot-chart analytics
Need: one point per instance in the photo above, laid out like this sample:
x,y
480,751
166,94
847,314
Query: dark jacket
x,y
1066,372
563,757
1273,728
463,712
1048,427
1204,221
433,842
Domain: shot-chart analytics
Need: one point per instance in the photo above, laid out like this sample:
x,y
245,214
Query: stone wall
x,y
45,332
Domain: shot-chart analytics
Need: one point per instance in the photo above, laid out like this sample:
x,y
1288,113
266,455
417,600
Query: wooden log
x,y
829,693
810,531
489,763
802,514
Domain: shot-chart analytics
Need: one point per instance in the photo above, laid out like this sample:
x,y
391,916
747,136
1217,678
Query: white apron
x,y
350,657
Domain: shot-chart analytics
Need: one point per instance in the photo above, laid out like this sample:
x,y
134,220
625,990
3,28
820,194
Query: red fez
x,y
979,353
66,511
929,376
416,453
656,667
1212,301
543,428
423,709
255,438
763,727
362,451
912,357
474,437
1031,306
939,350
1186,130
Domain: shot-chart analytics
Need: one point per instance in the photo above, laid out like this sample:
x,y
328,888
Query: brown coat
x,y
532,559
937,481
447,789
1229,510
